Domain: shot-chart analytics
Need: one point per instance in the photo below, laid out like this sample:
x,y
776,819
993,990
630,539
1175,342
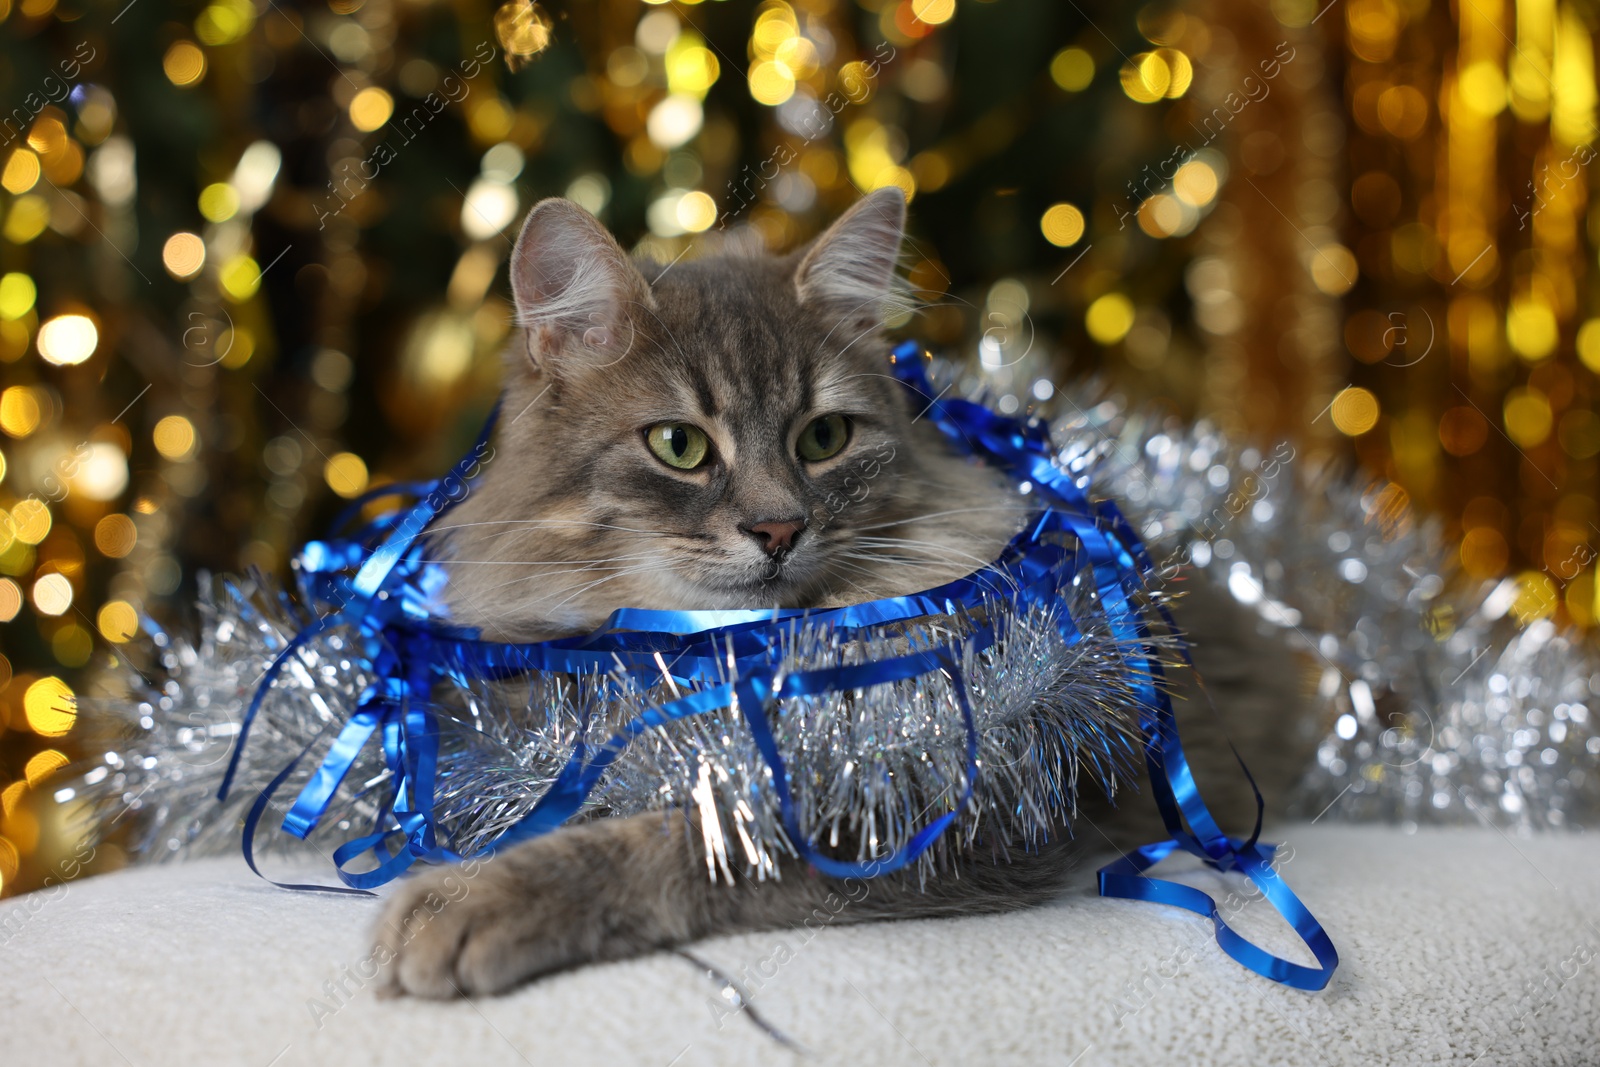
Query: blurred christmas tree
x,y
251,254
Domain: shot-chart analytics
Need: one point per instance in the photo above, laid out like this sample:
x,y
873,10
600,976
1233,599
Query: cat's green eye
x,y
677,444
824,438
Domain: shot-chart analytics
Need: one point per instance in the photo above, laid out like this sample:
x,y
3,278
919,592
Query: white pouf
x,y
1463,947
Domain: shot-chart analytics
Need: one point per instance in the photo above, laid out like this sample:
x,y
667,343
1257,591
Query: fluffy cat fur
x,y
576,517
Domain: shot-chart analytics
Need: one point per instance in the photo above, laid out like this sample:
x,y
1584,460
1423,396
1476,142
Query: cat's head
x,y
715,432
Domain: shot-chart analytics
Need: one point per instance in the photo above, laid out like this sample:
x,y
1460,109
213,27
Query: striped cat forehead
x,y
725,333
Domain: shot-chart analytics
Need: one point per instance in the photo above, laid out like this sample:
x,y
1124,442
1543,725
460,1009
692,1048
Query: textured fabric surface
x,y
1461,947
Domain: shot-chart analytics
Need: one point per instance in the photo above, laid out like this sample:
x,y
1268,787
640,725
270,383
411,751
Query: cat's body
x,y
718,434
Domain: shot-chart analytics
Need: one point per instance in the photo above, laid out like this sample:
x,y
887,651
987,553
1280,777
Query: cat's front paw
x,y
607,890
463,931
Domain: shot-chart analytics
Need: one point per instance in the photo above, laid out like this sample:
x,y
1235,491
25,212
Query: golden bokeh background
x,y
251,256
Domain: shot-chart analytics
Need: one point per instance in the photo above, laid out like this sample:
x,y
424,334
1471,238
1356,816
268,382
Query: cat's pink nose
x,y
775,537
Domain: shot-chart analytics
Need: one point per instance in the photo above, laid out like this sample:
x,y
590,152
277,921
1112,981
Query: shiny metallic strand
x,y
163,743
1438,705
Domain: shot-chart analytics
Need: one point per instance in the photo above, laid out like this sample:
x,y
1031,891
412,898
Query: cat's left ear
x,y
574,286
850,268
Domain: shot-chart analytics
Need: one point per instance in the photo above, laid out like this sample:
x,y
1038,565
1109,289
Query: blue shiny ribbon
x,y
376,582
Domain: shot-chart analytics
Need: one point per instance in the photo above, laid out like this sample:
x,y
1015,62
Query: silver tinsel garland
x,y
1440,707
869,767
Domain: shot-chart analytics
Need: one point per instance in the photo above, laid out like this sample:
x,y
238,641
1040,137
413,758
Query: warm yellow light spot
x,y
1536,598
21,172
1484,553
219,202
799,55
117,621
102,473
10,599
183,255
29,216
1195,183
346,474
1180,72
933,12
19,411
72,645
627,67
17,294
1072,69
240,277
1528,416
1062,224
771,82
1355,411
1109,318
774,26
1532,330
50,707
1483,88
10,798
674,121
235,347
30,520
1146,78
1589,344
224,22
52,594
65,167
1160,215
696,212
41,765
691,67
1403,111
522,28
1333,269
897,176
490,120
48,135
15,336
115,536
184,63
857,81
371,108
174,437
68,340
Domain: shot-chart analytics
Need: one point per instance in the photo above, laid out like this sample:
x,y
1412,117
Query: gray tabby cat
x,y
694,437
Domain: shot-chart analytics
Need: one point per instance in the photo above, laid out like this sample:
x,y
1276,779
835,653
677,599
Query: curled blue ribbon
x,y
376,581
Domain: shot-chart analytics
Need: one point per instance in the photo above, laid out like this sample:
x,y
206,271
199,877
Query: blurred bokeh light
x,y
252,256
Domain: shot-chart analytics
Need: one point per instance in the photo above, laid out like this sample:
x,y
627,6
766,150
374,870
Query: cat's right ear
x,y
573,286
